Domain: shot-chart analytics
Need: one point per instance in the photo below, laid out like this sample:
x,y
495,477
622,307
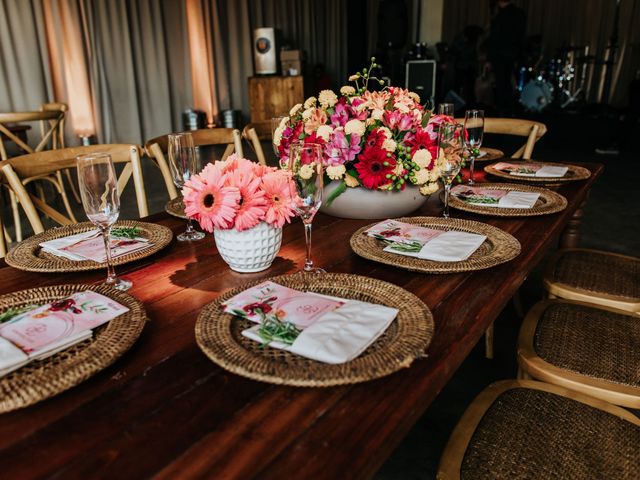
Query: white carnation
x,y
284,122
327,98
421,176
377,114
335,172
310,102
307,113
306,171
296,108
347,90
355,126
422,157
277,135
429,188
389,145
325,131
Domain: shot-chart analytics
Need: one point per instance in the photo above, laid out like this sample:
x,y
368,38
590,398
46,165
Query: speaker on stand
x,y
266,51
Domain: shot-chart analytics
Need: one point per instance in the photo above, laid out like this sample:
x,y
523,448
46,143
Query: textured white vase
x,y
361,203
251,250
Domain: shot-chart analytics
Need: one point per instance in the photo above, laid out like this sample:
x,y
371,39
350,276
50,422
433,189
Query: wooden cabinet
x,y
274,96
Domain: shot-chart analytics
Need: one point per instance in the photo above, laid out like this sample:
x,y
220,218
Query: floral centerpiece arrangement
x,y
245,205
379,140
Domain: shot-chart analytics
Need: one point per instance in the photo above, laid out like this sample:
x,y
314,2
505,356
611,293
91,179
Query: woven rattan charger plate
x,y
175,207
548,202
499,247
490,154
219,335
45,378
28,255
574,173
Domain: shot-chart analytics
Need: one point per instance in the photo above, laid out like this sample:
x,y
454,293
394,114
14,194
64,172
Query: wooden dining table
x,y
165,410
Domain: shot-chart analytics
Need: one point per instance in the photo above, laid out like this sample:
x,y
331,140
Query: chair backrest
x,y
46,163
58,137
530,129
156,149
254,133
51,128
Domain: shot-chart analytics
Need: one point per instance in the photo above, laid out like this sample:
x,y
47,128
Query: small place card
x,y
486,197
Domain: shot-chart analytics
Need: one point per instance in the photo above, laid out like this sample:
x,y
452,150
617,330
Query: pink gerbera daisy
x,y
252,205
277,187
209,201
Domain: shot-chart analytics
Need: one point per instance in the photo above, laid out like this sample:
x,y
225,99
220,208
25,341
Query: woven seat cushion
x,y
599,272
589,341
532,434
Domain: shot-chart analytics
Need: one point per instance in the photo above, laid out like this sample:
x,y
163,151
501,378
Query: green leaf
x,y
340,189
125,232
426,116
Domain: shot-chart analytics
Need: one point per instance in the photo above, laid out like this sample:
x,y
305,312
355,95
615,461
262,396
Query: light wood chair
x,y
579,346
596,277
156,149
527,429
50,122
16,169
530,129
255,133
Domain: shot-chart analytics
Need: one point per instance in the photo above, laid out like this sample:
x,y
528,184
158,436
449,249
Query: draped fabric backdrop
x,y
564,23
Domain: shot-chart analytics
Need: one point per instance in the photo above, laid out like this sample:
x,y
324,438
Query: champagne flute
x,y
275,123
446,109
473,132
182,163
305,164
99,190
449,141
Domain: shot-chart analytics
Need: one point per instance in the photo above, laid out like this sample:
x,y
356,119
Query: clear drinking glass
x,y
99,190
473,132
183,163
275,123
446,109
305,164
450,141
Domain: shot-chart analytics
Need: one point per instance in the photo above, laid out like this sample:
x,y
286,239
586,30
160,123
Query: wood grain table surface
x,y
165,410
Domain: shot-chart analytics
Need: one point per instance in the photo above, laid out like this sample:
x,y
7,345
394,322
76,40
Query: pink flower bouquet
x,y
378,140
239,194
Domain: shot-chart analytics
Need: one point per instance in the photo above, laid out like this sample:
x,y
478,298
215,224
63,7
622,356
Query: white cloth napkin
x,y
340,335
449,247
516,199
11,357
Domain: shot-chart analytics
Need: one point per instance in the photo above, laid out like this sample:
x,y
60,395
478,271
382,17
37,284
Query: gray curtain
x,y
24,71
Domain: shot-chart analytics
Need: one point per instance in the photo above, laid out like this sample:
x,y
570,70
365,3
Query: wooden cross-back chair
x,y
16,169
255,133
530,129
156,149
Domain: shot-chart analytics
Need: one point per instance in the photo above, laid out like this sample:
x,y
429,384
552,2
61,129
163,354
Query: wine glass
x,y
182,163
275,123
449,141
473,132
446,109
305,164
99,190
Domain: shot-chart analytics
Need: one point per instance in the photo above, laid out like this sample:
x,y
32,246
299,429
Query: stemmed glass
x,y
182,163
275,123
473,132
449,140
446,109
305,164
99,190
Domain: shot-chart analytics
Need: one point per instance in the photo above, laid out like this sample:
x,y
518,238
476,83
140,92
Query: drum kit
x,y
564,81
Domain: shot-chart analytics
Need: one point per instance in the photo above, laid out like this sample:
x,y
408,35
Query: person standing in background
x,y
505,45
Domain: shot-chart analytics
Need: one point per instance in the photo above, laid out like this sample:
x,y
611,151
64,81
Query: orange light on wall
x,y
73,78
201,55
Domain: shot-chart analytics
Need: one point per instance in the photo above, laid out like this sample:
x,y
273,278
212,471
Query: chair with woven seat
x,y
526,429
16,169
156,149
594,276
255,133
593,350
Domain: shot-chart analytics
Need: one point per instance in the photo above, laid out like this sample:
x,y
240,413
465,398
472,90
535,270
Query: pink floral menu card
x,y
271,299
487,197
35,330
400,232
90,246
531,169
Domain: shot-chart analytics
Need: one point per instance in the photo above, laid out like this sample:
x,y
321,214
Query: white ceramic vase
x,y
362,203
251,250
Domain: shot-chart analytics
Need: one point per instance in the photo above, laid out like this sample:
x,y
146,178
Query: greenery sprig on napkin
x,y
125,232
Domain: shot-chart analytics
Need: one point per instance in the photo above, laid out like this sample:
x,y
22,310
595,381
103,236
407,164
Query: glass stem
x,y
447,190
111,273
189,226
308,263
473,160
